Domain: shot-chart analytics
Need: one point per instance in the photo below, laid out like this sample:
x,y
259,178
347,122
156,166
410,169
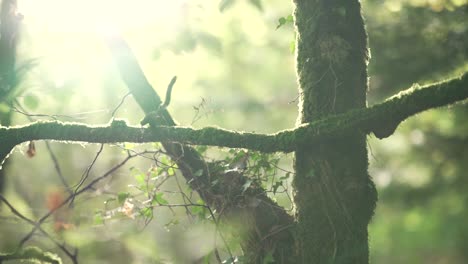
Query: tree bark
x,y
9,27
334,196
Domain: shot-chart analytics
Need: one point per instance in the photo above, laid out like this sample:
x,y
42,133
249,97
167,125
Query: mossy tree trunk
x,y
9,27
334,196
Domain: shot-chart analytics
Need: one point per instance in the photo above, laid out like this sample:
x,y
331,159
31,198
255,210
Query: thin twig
x,y
86,174
87,187
120,104
37,226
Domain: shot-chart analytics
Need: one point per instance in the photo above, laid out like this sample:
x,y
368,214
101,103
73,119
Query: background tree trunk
x,y
9,27
334,196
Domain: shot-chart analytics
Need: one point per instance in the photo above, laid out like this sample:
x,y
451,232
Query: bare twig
x,y
38,226
86,174
69,198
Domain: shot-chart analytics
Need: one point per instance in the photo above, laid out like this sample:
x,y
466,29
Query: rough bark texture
x,y
334,195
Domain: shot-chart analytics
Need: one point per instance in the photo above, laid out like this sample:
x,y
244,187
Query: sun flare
x,y
67,35
94,15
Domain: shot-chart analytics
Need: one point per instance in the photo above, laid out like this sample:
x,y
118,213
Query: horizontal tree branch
x,y
382,119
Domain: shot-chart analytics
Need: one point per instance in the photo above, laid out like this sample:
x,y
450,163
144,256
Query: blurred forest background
x,y
235,69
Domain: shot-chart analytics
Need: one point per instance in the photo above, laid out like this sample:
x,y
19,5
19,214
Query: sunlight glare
x,y
91,15
69,32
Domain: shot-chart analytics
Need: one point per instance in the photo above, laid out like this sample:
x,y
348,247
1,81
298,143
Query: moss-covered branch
x,y
382,119
75,132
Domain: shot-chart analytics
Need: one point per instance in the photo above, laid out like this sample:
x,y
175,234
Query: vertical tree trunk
x,y
9,26
334,196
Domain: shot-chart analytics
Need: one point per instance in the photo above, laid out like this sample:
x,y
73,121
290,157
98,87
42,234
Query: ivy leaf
x,y
281,22
285,20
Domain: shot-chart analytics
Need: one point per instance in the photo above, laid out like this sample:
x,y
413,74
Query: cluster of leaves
x,y
147,185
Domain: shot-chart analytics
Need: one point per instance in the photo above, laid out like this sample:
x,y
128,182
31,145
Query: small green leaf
x,y
268,258
285,20
140,178
198,211
147,211
158,199
98,219
170,171
292,46
164,160
31,101
122,197
281,22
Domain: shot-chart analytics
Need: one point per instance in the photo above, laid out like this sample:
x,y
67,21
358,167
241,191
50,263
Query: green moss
x,y
334,49
119,123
